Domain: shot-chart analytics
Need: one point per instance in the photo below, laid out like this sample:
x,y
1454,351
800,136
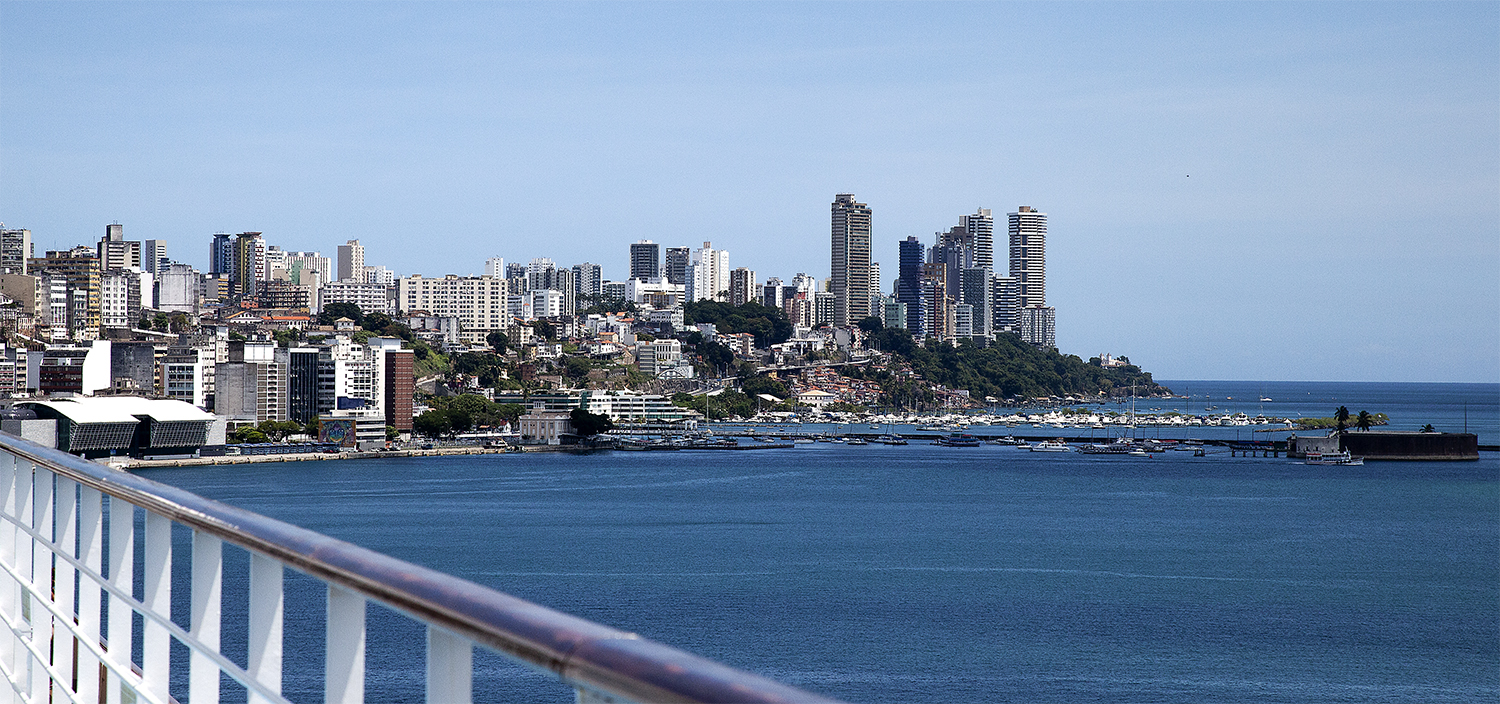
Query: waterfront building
x,y
178,289
771,295
133,366
620,406
251,386
1006,296
893,313
588,279
116,253
249,263
371,298
400,385
15,249
154,257
187,374
741,286
78,370
1028,255
1039,326
677,264
351,256
824,307
851,260
480,303
975,291
122,294
909,286
707,274
78,269
351,376
645,260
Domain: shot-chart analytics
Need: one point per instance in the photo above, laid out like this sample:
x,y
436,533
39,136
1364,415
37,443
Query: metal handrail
x,y
574,649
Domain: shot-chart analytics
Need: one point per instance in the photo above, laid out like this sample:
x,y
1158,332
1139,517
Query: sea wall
x,y
1412,446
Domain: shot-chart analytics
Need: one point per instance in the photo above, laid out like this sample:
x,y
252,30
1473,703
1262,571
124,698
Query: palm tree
x,y
1364,421
1428,428
1342,416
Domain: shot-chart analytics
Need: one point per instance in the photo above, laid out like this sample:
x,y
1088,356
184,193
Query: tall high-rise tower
x,y
677,264
980,228
1028,255
645,260
352,261
15,249
851,260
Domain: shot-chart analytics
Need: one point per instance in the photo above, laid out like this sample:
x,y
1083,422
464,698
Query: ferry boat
x,y
1341,457
1051,446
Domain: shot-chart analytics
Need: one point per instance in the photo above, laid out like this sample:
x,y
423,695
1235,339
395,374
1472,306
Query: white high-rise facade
x,y
352,261
494,267
708,274
1028,255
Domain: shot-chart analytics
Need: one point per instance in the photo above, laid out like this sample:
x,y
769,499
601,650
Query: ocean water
x,y
933,574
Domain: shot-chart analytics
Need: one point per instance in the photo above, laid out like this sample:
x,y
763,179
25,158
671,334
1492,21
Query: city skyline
x,y
1227,190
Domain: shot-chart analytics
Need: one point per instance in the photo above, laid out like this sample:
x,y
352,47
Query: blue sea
x,y
937,574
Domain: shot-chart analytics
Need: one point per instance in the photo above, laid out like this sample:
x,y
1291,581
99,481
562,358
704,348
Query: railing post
x,y
265,623
208,578
25,513
156,641
91,545
450,668
41,573
10,604
63,593
345,675
122,577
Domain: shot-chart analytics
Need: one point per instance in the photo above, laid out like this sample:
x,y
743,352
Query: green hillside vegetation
x,y
1008,367
768,325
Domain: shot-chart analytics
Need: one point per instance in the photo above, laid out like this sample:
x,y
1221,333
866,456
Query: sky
x,y
1277,191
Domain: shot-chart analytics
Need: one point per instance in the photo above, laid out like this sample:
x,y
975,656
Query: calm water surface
x,y
936,574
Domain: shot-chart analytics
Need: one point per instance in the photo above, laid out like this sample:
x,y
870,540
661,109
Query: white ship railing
x,y
56,645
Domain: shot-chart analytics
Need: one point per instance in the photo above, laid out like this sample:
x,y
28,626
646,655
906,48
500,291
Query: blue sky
x,y
1235,191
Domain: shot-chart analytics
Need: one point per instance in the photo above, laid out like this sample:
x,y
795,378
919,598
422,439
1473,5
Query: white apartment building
x,y
494,267
639,290
479,302
546,303
351,261
663,358
371,298
122,292
349,371
707,274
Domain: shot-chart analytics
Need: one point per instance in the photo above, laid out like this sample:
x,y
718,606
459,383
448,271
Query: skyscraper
x,y
352,261
645,260
1028,255
980,228
115,253
741,286
249,263
221,254
494,267
154,256
909,286
707,274
677,263
851,260
15,249
589,278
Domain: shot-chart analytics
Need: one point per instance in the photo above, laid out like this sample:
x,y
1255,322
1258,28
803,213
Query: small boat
x,y
1265,399
856,441
1007,440
1051,446
891,440
1341,458
958,440
1138,452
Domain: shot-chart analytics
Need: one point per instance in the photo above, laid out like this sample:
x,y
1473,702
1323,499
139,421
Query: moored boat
x,y
1341,457
1051,446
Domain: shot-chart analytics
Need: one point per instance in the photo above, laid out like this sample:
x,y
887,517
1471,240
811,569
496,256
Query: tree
x,y
277,430
1428,428
433,424
716,355
376,322
1342,416
178,322
871,324
247,434
577,367
1364,421
461,420
391,433
757,385
334,311
498,340
313,428
160,322
544,330
589,424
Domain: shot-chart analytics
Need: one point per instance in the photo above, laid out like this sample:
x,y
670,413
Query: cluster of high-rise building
x,y
950,289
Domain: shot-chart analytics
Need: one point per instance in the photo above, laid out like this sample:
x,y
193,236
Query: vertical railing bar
x,y
63,576
25,512
122,577
265,627
42,625
91,545
156,641
344,675
207,605
450,668
10,602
